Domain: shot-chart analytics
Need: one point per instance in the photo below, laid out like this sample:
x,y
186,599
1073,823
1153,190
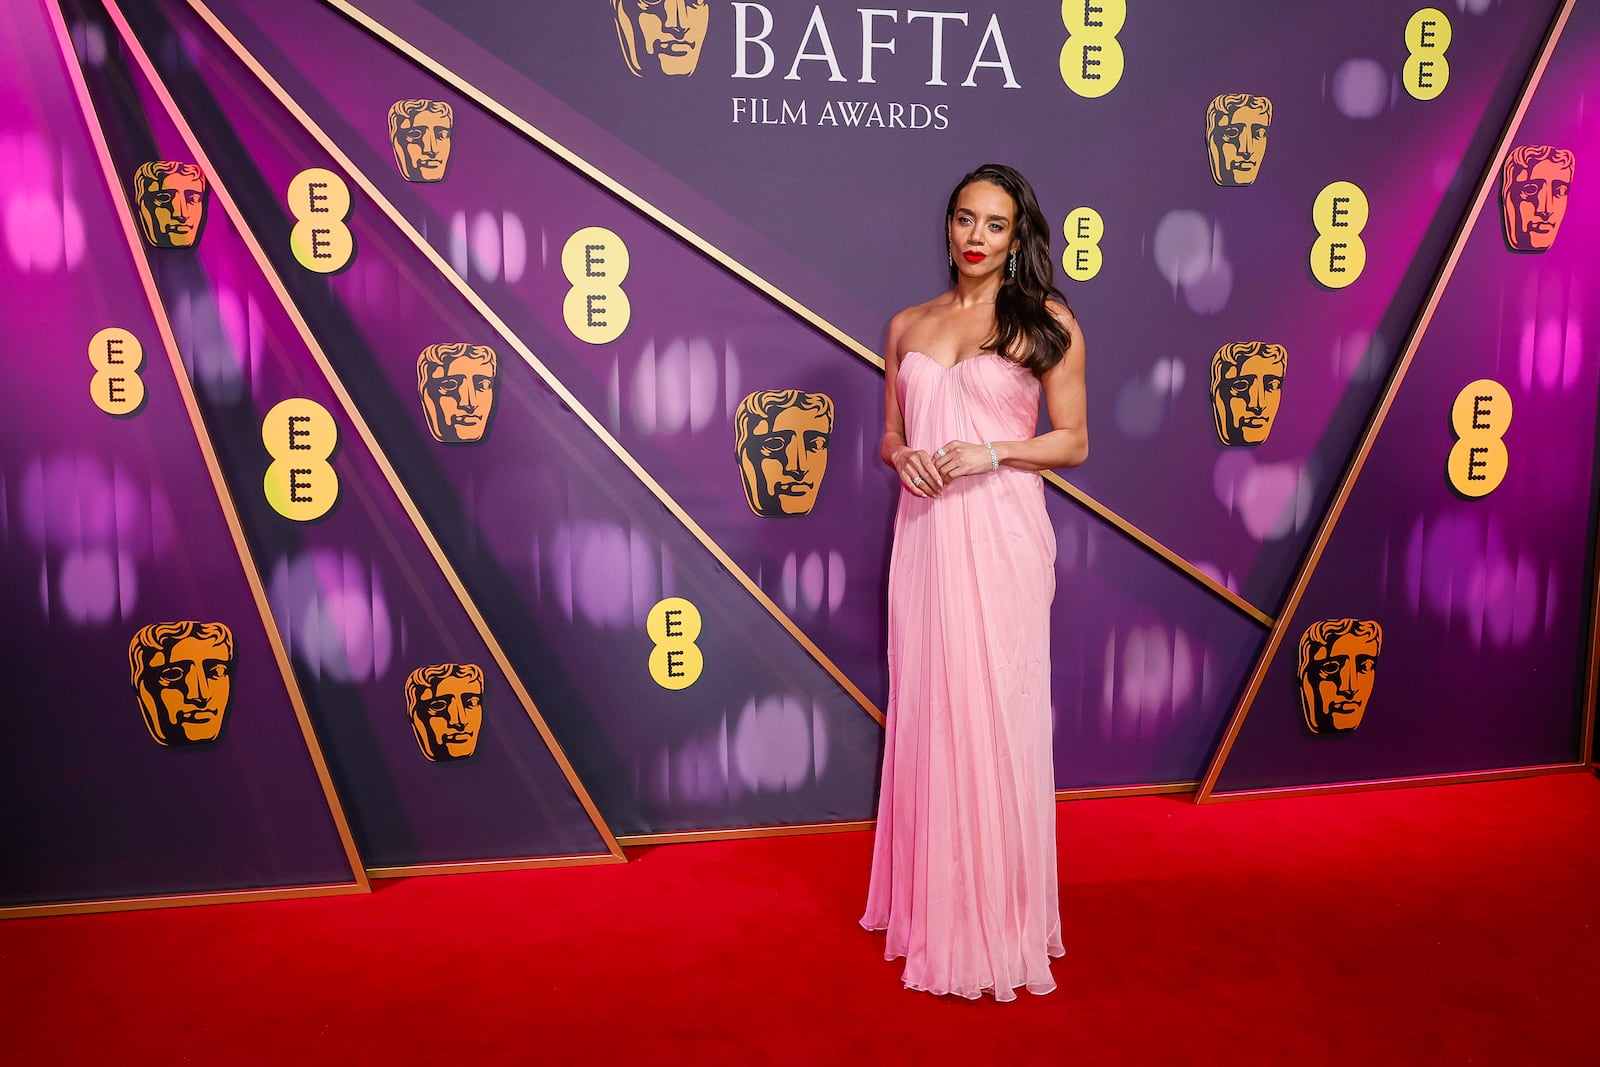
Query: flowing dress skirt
x,y
964,863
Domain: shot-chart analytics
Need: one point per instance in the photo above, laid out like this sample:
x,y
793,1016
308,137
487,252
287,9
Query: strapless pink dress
x,y
964,864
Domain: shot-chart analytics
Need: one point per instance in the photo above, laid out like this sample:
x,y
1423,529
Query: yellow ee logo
x,y
1083,229
1479,417
1426,71
1338,256
595,262
673,624
1091,60
300,435
116,355
320,240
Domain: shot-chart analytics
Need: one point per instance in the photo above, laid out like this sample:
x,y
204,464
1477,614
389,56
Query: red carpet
x,y
1453,925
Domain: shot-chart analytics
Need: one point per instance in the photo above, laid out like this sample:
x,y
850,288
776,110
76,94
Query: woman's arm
x,y
907,462
1065,444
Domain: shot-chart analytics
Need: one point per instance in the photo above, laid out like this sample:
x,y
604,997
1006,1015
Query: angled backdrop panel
x,y
1480,588
161,759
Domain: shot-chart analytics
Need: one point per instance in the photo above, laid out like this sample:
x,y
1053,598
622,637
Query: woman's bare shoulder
x,y
907,321
1062,314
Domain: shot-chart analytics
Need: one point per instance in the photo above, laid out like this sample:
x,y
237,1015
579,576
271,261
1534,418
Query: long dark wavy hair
x,y
1024,330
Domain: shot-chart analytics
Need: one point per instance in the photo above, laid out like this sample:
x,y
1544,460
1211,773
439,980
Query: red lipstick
x,y
974,257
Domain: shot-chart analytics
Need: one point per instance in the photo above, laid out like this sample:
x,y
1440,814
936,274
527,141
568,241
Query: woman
x,y
964,867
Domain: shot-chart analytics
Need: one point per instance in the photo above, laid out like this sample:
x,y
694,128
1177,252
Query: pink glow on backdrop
x,y
43,225
334,614
1461,567
604,574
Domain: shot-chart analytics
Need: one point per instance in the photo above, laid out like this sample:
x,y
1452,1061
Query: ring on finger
x,y
917,480
940,453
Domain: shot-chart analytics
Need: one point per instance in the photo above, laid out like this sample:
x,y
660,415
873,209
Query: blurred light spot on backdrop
x,y
1359,357
98,524
1460,567
486,247
1360,88
1475,7
805,583
1144,402
43,226
1189,254
94,582
676,389
772,743
1150,672
207,346
1272,500
331,608
89,41
601,574
1550,345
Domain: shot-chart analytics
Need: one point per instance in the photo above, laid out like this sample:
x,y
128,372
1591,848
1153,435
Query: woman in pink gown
x,y
964,865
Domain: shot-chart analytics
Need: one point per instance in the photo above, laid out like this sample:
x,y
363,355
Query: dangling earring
x,y
1011,265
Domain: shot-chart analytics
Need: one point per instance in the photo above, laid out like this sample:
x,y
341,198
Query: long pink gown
x,y
964,864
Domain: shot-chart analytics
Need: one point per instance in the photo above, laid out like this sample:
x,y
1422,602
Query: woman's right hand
x,y
918,473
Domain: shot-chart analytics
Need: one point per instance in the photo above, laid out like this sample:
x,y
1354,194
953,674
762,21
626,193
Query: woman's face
x,y
982,229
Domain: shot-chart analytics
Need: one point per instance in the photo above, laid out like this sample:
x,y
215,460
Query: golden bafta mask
x,y
419,130
781,439
1533,195
171,198
445,702
183,675
1236,137
661,35
1246,388
1338,663
457,385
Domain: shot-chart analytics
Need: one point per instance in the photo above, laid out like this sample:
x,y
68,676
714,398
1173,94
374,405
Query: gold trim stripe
x,y
1106,792
230,515
424,870
1413,782
746,833
1369,435
247,235
550,379
184,900
1157,548
1098,792
738,269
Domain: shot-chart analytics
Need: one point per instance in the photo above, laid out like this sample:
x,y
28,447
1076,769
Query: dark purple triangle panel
x,y
1482,600
113,787
372,626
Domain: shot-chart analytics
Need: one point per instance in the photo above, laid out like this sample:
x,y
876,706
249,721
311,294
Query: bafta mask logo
x,y
1236,137
457,385
445,702
1246,388
661,35
172,203
1533,195
183,675
781,439
1338,658
419,130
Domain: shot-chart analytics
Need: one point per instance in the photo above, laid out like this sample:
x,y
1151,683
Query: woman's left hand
x,y
960,458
